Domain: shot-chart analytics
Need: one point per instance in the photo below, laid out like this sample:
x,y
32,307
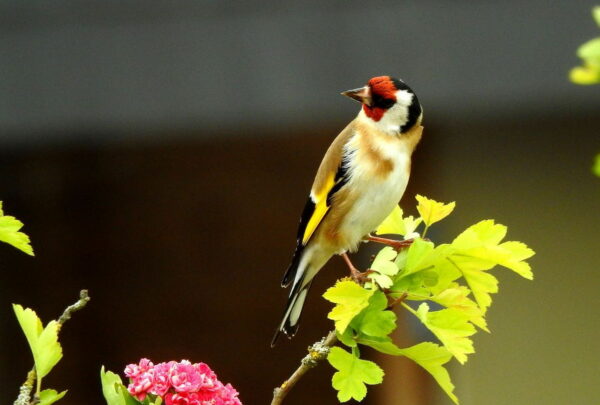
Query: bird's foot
x,y
396,244
359,276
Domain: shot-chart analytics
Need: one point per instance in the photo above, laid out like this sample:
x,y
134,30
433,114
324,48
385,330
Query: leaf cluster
x,y
454,277
589,52
46,350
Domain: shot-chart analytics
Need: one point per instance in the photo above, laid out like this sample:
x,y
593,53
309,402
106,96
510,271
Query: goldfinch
x,y
361,179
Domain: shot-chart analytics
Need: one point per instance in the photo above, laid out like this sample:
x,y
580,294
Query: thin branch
x,y
24,397
396,244
316,353
84,298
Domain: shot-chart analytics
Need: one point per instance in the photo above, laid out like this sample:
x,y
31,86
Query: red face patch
x,y
382,87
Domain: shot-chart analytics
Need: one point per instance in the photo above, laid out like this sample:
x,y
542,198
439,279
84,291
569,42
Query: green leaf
x,y
115,393
432,358
432,211
350,298
418,251
481,241
383,345
352,375
376,319
596,166
9,233
393,224
48,397
457,297
451,327
585,75
428,355
596,14
43,342
384,267
410,226
347,337
482,284
30,324
483,233
49,351
590,52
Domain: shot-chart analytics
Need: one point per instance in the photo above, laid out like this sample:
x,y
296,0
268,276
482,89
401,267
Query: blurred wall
x,y
160,153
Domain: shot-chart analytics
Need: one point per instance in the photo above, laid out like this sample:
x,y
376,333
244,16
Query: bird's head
x,y
389,103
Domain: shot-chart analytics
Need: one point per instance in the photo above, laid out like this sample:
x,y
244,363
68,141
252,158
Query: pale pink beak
x,y
362,95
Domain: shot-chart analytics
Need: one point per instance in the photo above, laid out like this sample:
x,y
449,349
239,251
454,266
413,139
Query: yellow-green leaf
x,y
350,298
410,226
376,319
457,297
481,283
483,233
393,224
115,393
9,233
30,324
49,351
451,327
432,211
596,166
384,267
352,375
590,53
585,75
432,358
48,397
481,242
43,342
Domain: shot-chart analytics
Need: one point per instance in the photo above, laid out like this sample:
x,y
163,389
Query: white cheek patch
x,y
397,116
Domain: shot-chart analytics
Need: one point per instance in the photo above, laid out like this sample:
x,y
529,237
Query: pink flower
x,y
185,377
133,370
184,398
180,383
209,378
140,385
227,395
162,378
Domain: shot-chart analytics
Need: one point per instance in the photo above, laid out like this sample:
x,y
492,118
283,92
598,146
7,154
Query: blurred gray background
x,y
165,149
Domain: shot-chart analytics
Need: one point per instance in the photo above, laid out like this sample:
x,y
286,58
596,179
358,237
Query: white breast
x,y
378,195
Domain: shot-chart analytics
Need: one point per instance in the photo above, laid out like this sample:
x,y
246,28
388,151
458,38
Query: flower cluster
x,y
180,383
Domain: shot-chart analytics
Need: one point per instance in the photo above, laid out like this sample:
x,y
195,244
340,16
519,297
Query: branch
x,y
24,397
316,353
84,298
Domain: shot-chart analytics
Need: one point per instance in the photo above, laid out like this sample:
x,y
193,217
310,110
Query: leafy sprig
x,y
46,350
453,275
589,52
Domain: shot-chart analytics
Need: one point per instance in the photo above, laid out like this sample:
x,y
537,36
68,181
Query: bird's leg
x,y
356,274
396,244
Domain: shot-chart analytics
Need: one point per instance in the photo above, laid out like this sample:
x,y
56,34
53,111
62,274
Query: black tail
x,y
290,273
291,316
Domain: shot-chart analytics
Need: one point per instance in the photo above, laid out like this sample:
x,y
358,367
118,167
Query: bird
x,y
360,180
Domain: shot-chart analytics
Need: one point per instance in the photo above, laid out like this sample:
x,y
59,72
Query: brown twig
x,y
24,397
396,244
316,353
397,300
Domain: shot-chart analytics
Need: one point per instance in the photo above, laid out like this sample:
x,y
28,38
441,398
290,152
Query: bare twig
x,y
84,298
396,244
316,353
24,397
